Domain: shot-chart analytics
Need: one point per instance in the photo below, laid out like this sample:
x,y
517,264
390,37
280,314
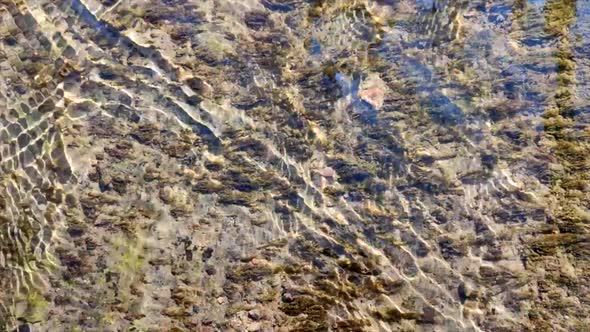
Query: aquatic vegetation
x,y
36,307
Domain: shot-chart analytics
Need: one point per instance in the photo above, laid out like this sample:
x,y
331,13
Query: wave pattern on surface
x,y
268,165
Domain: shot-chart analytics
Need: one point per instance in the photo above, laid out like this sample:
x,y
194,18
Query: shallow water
x,y
294,165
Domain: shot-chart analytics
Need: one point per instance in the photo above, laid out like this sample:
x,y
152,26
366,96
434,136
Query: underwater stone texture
x,y
291,165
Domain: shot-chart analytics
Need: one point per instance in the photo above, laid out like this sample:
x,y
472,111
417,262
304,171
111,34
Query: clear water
x,y
294,165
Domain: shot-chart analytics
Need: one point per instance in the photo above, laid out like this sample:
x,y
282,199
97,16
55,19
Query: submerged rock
x,y
372,90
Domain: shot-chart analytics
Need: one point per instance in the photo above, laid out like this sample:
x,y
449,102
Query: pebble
x,y
257,261
287,297
372,90
327,172
256,326
25,328
254,314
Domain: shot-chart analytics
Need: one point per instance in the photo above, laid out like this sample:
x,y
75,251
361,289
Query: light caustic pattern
x,y
270,165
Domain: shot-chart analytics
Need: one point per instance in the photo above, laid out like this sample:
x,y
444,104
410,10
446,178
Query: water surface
x,y
294,165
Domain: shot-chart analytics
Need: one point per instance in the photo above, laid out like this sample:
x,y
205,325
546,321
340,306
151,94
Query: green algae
x,y
550,244
312,315
568,180
395,315
37,307
250,272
